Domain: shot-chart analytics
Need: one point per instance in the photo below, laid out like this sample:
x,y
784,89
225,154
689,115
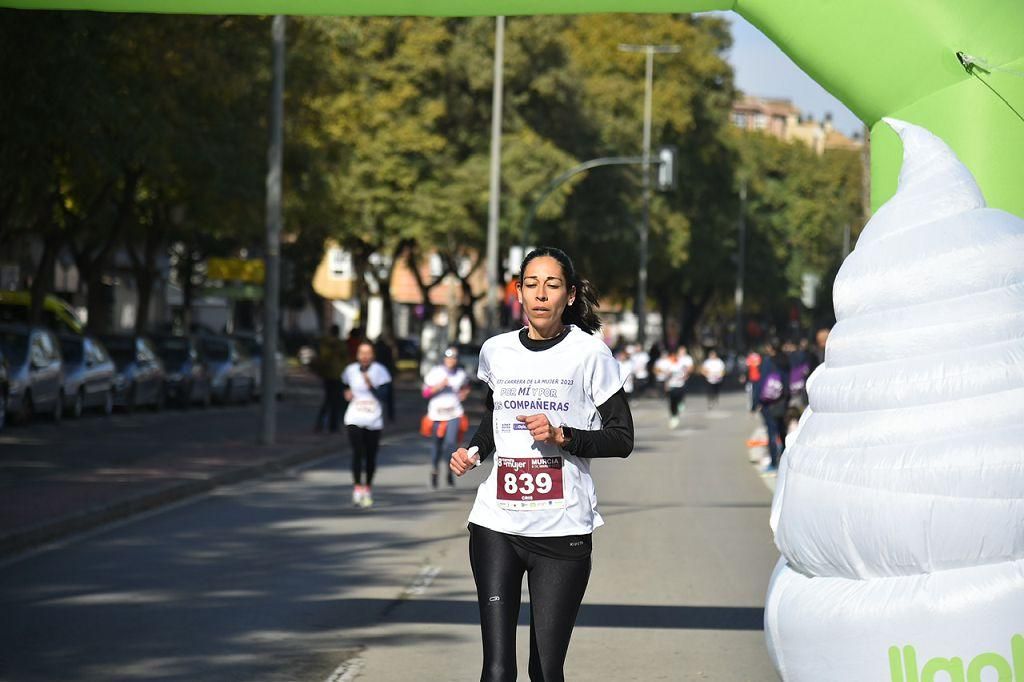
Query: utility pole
x,y
493,212
272,259
641,284
741,266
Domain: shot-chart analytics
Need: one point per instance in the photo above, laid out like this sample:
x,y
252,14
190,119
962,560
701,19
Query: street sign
x,y
668,170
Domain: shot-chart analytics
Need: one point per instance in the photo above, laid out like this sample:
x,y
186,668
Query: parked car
x,y
4,387
409,355
140,373
253,346
187,380
57,315
88,375
230,368
36,371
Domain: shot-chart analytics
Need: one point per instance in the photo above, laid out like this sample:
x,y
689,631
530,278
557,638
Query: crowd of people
x,y
670,374
775,377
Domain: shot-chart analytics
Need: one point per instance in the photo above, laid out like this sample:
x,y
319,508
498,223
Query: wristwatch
x,y
567,435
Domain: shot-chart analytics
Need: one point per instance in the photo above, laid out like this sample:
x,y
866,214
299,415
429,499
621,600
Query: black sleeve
x,y
484,436
385,396
613,439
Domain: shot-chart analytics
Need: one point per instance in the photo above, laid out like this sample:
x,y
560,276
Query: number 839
x,y
527,484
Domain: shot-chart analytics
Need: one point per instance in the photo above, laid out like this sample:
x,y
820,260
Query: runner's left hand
x,y
541,429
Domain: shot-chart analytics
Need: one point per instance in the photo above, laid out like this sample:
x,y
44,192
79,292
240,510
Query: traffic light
x,y
668,169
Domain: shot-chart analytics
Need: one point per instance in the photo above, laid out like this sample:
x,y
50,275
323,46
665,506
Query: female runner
x,y
555,401
446,386
367,386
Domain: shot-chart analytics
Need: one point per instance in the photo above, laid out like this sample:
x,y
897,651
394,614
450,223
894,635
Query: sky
x,y
762,69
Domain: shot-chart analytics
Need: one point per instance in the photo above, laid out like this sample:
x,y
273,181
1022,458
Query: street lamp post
x,y
641,285
741,265
272,297
495,188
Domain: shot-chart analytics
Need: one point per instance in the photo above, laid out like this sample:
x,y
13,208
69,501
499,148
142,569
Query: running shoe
x,y
673,423
367,500
358,495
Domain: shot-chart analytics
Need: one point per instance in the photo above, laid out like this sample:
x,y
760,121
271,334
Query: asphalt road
x,y
281,579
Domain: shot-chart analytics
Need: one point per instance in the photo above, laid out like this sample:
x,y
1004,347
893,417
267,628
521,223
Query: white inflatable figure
x,y
899,509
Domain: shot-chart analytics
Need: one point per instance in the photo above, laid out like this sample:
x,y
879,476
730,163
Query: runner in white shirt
x,y
555,402
367,384
713,370
446,385
640,359
674,369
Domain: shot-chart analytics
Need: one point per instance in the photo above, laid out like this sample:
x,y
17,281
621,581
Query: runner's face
x,y
451,362
364,356
543,293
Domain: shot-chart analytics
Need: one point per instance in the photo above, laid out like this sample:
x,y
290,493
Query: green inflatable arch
x,y
894,58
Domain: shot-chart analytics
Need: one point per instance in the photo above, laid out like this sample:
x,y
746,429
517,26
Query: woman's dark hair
x,y
582,312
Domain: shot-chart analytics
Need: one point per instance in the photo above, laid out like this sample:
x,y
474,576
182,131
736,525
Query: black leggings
x,y
556,591
676,396
364,451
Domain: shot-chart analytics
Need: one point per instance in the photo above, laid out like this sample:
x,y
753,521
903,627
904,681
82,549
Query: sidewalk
x,y
57,480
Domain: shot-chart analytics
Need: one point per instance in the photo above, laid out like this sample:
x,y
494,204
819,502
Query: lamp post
x,y
641,285
741,265
272,284
495,189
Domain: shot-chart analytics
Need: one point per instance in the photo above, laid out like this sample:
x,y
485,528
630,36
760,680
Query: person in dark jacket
x,y
331,359
774,397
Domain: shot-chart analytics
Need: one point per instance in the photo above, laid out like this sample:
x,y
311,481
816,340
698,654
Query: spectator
x,y
752,378
330,361
774,397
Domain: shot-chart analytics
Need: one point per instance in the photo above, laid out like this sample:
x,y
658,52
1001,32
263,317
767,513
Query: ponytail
x,y
583,311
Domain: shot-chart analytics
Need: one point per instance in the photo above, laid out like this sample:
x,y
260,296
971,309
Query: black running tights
x,y
556,591
364,452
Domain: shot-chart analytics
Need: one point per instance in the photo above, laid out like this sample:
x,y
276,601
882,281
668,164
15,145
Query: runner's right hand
x,y
462,461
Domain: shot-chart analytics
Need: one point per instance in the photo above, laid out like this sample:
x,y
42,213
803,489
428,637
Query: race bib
x,y
445,413
366,406
530,483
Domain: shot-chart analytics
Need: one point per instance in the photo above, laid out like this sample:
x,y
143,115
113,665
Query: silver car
x,y
36,371
253,345
230,369
140,373
88,375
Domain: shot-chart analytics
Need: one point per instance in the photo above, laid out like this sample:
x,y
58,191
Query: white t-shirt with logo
x,y
445,404
714,370
674,372
543,491
364,409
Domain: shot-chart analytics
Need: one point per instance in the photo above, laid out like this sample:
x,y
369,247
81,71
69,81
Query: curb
x,y
49,531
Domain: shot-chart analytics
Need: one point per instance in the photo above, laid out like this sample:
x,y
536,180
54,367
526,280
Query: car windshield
x,y
216,350
174,352
15,347
251,345
72,350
